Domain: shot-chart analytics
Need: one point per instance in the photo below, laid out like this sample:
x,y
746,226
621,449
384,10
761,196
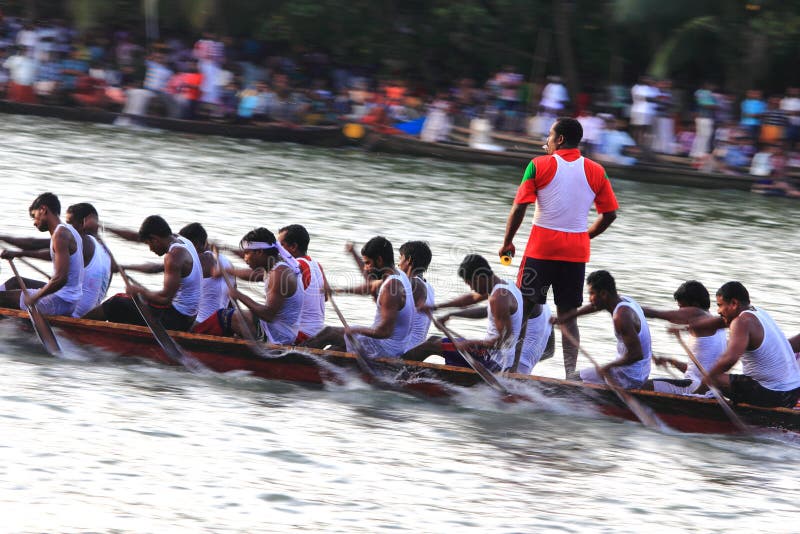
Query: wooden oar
x,y
40,323
644,414
247,331
363,363
476,365
173,351
735,419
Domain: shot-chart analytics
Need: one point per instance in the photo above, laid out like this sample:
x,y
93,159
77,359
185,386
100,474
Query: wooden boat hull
x,y
650,173
316,367
324,136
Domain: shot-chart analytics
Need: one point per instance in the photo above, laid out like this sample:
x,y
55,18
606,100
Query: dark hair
x,y
419,253
195,233
602,281
473,265
49,200
693,293
82,210
379,247
296,235
571,129
263,235
154,225
734,290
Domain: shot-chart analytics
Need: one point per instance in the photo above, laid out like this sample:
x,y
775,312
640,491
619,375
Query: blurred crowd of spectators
x,y
218,78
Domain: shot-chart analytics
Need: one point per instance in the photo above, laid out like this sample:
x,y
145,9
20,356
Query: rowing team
x,y
196,297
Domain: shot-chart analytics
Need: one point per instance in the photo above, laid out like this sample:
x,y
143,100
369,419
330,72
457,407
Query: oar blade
x,y
45,332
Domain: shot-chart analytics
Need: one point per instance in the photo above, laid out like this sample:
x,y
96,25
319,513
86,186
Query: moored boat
x,y
324,136
315,367
657,173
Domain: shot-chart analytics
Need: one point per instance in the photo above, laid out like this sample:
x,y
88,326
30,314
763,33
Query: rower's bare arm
x,y
172,278
706,326
738,339
500,301
61,240
27,243
124,233
574,314
602,223
625,325
390,303
367,288
679,316
282,285
515,218
41,254
476,312
148,268
462,301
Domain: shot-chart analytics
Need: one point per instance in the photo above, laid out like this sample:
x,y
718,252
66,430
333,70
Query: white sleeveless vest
x,y
187,298
312,316
773,364
214,293
637,372
536,335
73,289
504,356
421,322
96,279
708,349
396,344
564,203
283,328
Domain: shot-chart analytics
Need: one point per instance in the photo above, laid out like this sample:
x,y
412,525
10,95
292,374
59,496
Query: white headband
x,y
287,258
257,245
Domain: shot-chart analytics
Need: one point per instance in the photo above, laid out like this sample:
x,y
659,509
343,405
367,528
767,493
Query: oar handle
x,y
735,419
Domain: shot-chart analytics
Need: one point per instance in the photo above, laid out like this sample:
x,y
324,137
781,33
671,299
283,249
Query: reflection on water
x,y
97,444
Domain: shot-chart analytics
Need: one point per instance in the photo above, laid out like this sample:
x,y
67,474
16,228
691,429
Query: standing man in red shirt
x,y
564,185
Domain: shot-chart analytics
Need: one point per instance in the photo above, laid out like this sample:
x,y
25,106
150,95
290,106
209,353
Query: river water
x,y
94,444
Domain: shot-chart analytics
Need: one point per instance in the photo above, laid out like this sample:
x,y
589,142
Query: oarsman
x,y
564,185
388,335
82,217
61,293
175,305
415,257
693,304
96,261
214,293
770,372
504,311
295,239
634,353
278,318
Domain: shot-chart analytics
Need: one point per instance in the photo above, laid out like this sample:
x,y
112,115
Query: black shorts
x,y
121,309
747,390
536,276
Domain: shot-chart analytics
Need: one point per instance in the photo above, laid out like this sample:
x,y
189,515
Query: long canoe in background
x,y
667,174
324,136
315,367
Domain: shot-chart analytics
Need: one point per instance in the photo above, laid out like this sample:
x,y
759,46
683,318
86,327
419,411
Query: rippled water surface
x,y
95,444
